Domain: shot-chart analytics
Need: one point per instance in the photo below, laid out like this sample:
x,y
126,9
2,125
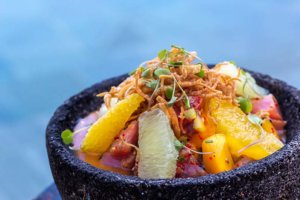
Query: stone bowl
x,y
275,177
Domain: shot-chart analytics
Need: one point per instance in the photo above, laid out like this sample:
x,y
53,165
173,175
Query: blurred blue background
x,y
50,50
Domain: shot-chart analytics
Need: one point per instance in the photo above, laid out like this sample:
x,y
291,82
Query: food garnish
x,y
174,117
102,133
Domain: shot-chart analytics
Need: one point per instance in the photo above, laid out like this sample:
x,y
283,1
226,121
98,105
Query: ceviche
x,y
173,117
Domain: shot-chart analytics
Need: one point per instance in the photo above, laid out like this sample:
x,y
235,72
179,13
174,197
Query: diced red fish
x,y
188,165
267,104
243,161
109,160
195,102
119,148
278,124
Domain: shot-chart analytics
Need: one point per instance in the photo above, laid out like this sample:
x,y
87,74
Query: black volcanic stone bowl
x,y
275,177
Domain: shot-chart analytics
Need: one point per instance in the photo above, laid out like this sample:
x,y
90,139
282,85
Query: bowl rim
x,y
56,146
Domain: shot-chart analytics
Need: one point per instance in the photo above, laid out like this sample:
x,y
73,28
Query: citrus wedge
x,y
102,133
220,160
158,155
241,133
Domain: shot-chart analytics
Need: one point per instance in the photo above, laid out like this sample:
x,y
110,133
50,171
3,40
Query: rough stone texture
x,y
275,177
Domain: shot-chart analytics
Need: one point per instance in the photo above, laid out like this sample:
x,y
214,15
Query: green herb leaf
x,y
232,62
175,64
131,73
145,73
178,145
142,68
169,92
209,141
254,119
161,71
181,159
243,72
201,73
173,98
67,136
152,84
172,101
177,47
186,102
163,54
245,104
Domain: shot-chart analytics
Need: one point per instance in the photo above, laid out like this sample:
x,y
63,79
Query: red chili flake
x,y
273,130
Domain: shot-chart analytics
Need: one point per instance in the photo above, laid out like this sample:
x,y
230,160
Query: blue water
x,y
50,50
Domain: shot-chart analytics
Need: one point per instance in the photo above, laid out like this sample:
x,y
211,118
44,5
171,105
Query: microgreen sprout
x,y
254,119
169,92
161,71
67,135
186,52
131,73
186,101
145,73
178,146
162,55
233,63
134,71
173,98
185,97
152,84
175,64
154,92
181,159
178,47
201,73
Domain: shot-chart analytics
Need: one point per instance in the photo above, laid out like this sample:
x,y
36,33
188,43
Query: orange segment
x,y
269,128
220,160
240,132
102,133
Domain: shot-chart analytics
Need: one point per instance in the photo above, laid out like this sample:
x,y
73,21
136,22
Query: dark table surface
x,y
50,50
